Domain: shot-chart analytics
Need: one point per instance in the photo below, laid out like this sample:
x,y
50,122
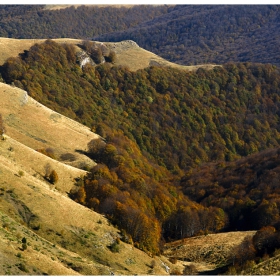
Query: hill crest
x,y
128,52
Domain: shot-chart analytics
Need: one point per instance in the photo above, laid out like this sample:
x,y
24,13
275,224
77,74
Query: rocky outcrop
x,y
83,59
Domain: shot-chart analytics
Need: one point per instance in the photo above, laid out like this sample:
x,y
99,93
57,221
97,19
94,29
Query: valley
x,y
120,155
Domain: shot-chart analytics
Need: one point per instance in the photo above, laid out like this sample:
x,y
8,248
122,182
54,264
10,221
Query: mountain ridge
x,y
18,182
128,53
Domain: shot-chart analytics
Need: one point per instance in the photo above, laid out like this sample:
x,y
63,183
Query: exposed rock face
x,y
84,58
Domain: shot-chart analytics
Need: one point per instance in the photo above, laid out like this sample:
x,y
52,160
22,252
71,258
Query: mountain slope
x,y
138,195
198,34
184,34
24,119
63,237
82,21
128,53
206,252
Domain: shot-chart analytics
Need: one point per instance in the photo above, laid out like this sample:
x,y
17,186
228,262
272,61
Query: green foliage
x,y
22,267
165,111
198,33
160,123
24,244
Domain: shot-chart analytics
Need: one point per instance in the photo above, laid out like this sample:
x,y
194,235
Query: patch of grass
x,y
36,248
22,267
19,255
114,247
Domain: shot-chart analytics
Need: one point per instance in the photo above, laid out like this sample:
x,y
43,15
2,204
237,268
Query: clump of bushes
x,y
68,157
190,270
49,152
23,244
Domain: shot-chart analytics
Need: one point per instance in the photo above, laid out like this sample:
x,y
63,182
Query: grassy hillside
x,y
62,237
157,124
128,53
24,118
220,114
206,253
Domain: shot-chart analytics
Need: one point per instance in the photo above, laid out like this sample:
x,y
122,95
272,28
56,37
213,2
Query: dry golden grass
x,y
37,127
64,238
12,47
128,54
206,252
266,267
33,208
131,55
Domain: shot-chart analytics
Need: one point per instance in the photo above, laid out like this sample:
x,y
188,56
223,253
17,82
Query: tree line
x,y
171,138
185,34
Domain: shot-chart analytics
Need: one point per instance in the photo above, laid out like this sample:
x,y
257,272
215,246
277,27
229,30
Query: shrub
x,y
53,177
115,247
49,152
153,264
68,157
24,246
190,270
111,57
175,272
173,260
22,267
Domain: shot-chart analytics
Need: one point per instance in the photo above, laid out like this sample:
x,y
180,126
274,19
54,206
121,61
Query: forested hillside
x,y
210,34
185,34
221,114
34,21
160,124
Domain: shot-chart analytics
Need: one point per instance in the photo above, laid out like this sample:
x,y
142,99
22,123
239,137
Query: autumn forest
x,y
183,153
